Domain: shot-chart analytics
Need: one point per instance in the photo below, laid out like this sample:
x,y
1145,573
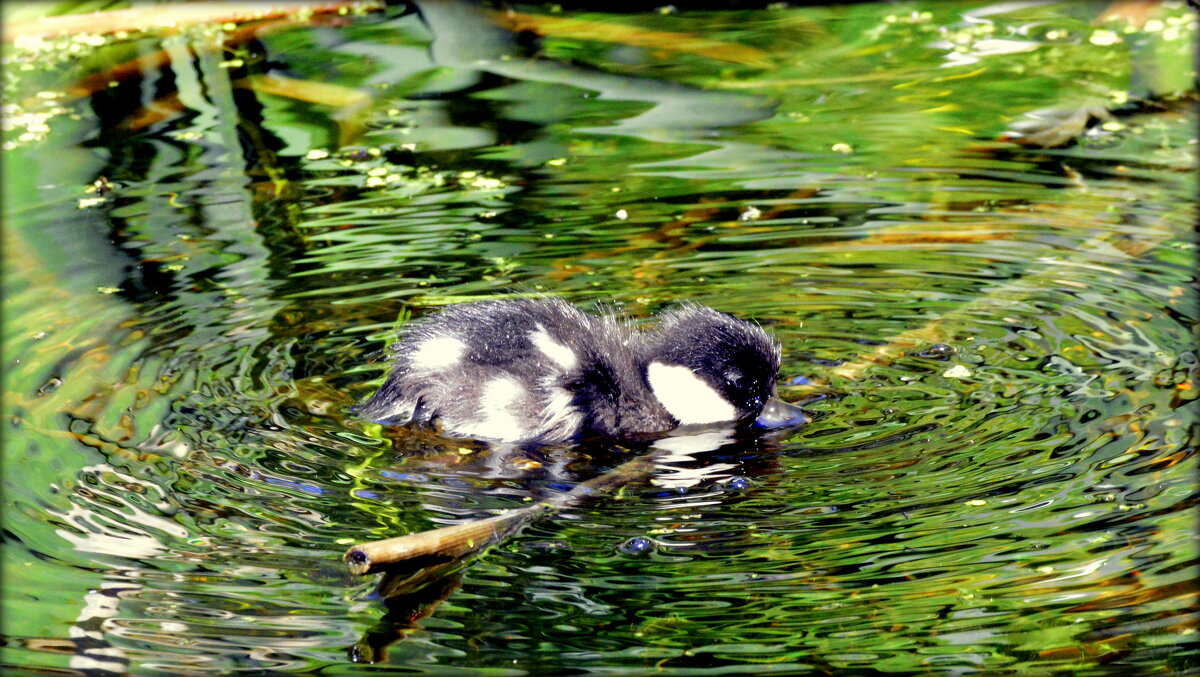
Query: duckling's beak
x,y
780,414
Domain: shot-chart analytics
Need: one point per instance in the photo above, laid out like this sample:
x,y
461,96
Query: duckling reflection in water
x,y
540,371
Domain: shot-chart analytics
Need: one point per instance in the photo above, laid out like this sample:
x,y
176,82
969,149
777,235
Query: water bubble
x,y
739,483
637,545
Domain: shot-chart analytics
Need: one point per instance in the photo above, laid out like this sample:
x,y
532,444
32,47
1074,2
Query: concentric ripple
x,y
995,342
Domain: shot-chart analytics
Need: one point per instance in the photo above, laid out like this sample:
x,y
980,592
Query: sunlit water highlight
x,y
1011,491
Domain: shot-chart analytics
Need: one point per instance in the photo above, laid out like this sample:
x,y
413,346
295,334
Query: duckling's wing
x,y
491,370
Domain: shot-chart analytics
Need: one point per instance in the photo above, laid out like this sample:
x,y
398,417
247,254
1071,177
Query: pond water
x,y
205,249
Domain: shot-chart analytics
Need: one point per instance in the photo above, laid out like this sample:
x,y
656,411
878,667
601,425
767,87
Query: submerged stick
x,y
453,541
459,540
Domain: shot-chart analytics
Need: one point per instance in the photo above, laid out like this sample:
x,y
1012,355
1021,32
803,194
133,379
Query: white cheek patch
x,y
440,352
560,354
687,397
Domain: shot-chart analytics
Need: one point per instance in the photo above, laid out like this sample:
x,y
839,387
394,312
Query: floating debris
x,y
957,371
526,464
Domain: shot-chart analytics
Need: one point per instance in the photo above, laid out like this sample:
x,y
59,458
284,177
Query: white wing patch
x,y
440,352
561,418
687,397
497,405
560,354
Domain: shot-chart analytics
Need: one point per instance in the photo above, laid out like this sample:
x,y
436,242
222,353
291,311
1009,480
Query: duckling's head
x,y
706,367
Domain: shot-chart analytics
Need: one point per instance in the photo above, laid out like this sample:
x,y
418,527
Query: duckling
x,y
539,370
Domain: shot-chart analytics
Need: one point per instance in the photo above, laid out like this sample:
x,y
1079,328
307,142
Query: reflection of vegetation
x,y
275,195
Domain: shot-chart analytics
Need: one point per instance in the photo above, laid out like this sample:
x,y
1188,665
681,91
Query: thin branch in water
x,y
461,540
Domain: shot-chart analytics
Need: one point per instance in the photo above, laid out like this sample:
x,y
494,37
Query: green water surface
x,y
1010,488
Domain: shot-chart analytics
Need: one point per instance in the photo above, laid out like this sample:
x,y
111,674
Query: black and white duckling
x,y
542,371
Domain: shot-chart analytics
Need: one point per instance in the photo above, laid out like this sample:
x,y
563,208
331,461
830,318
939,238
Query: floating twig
x,y
460,540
